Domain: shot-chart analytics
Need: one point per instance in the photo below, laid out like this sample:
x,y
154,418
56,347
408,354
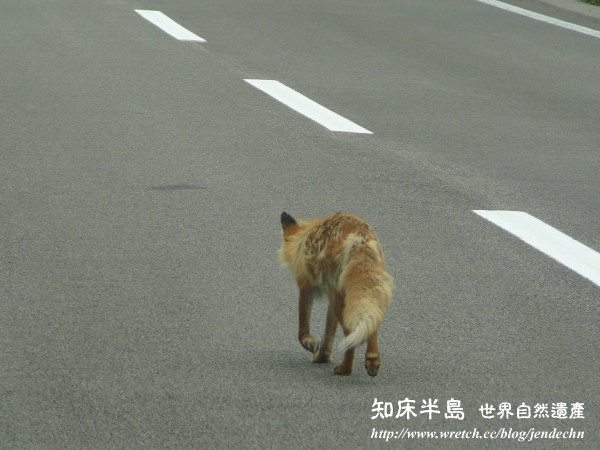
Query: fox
x,y
340,257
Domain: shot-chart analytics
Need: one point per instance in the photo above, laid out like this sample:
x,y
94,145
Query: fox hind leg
x,y
345,368
372,356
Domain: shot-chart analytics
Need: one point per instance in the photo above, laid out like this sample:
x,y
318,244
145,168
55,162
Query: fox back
x,y
322,252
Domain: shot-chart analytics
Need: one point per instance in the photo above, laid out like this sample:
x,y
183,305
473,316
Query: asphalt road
x,y
141,182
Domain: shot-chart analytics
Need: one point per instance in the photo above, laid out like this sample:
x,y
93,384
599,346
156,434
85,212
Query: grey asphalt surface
x,y
141,182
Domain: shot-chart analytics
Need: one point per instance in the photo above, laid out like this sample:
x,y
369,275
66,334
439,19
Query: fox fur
x,y
338,256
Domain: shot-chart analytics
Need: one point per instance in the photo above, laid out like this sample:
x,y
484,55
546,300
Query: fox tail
x,y
363,314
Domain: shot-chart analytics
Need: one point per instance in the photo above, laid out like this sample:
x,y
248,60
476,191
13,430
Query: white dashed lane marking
x,y
307,107
548,240
169,26
541,17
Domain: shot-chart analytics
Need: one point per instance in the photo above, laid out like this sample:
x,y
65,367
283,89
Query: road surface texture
x,y
141,181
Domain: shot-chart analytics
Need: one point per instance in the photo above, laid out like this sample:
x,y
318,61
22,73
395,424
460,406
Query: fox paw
x,y
372,365
342,370
310,344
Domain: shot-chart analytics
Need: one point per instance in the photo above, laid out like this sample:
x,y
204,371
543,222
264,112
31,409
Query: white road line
x,y
541,17
548,240
307,107
169,26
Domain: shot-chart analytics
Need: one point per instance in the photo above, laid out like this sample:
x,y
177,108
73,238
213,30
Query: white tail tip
x,y
356,338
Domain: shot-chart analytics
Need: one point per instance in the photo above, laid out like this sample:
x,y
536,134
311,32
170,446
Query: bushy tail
x,y
361,333
363,313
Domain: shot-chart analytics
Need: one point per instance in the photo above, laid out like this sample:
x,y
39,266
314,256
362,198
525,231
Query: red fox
x,y
338,256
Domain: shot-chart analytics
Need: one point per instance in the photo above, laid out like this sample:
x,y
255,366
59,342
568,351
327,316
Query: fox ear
x,y
287,220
